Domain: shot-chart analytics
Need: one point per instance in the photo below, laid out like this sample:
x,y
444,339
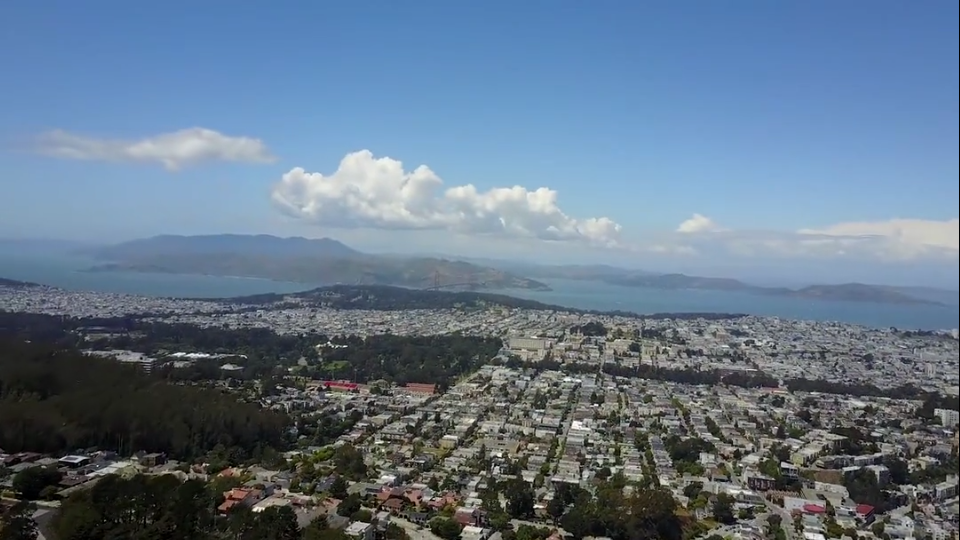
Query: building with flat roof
x,y
140,360
74,462
360,530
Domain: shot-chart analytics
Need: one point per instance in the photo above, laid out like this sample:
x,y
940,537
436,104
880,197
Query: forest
x,y
405,359
263,353
164,508
55,399
398,359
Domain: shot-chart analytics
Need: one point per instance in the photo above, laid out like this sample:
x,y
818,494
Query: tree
x,y
520,500
579,520
319,529
17,524
79,401
349,506
445,528
363,515
338,488
349,462
278,523
723,509
31,482
555,507
396,532
692,489
163,508
899,471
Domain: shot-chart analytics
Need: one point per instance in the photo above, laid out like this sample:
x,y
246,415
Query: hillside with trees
x,y
164,508
263,353
57,400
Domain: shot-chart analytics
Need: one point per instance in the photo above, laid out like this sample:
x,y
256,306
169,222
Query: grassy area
x,y
335,366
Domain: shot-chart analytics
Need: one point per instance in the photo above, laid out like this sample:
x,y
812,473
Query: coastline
x,y
581,295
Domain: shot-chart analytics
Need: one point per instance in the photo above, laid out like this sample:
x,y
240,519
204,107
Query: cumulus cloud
x,y
173,150
893,240
372,192
698,224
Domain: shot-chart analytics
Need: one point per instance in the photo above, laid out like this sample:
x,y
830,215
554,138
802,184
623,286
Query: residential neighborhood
x,y
705,412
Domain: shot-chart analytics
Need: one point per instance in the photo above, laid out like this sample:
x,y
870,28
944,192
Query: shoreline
x,y
544,303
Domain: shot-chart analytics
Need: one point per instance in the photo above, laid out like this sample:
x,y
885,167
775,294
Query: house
x,y
471,532
270,502
359,530
789,470
866,513
239,496
423,462
761,482
419,518
468,516
421,388
449,441
392,505
153,460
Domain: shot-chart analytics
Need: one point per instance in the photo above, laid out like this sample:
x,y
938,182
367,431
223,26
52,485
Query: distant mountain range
x,y
326,261
16,284
588,272
300,260
850,292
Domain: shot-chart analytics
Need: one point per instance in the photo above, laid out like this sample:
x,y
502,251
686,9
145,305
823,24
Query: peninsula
x,y
317,262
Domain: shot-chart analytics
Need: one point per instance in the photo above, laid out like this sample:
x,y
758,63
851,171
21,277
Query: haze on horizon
x,y
801,142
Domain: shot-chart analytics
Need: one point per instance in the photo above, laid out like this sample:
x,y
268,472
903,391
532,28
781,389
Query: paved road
x,y
538,524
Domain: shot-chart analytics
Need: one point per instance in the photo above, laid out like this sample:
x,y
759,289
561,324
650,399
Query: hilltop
x,y
627,277
300,260
847,292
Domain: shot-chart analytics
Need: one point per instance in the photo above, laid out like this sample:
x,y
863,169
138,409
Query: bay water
x,y
67,273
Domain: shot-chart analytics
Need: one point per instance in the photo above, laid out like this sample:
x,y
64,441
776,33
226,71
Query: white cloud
x,y
698,224
372,192
908,234
893,240
172,150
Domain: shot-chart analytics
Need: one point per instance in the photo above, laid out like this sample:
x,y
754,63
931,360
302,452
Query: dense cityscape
x,y
479,420
478,271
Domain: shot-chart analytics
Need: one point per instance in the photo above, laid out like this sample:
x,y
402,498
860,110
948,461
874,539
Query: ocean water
x,y
65,272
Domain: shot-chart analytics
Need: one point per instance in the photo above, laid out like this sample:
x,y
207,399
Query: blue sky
x,y
763,118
